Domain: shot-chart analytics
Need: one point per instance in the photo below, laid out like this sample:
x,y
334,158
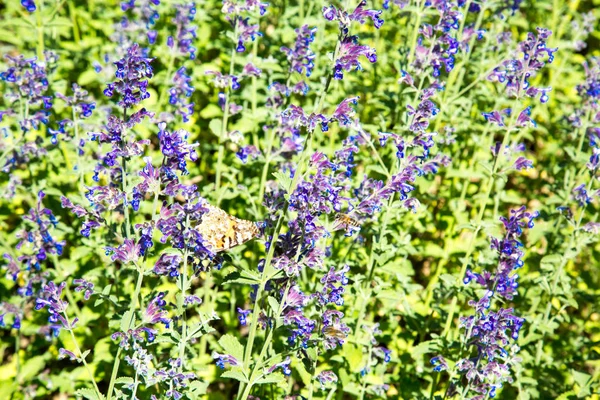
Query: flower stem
x,y
181,303
135,386
557,274
134,299
225,119
311,387
81,357
482,206
168,78
40,32
79,166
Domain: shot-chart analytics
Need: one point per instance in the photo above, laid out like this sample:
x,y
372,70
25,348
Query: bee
x,y
346,222
332,331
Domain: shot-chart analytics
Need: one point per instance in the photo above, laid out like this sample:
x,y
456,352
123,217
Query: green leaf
x,y
124,380
231,345
127,321
245,277
284,181
89,394
32,367
215,126
235,373
354,355
583,381
274,377
198,388
106,290
273,303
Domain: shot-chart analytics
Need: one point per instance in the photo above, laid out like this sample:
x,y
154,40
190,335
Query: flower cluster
x,y
180,93
27,87
50,298
350,51
235,12
516,73
81,106
493,332
39,238
186,31
133,70
301,56
142,20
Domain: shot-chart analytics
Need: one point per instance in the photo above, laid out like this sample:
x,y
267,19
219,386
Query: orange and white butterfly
x,y
223,231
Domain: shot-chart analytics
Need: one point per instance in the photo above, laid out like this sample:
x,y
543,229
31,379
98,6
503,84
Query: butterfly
x,y
223,231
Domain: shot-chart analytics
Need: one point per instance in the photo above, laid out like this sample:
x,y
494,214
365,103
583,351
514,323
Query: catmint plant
x,y
256,200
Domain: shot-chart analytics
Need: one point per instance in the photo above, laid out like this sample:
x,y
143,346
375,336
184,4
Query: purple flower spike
x,y
155,311
301,57
133,70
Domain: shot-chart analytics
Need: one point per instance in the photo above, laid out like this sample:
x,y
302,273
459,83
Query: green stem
x,y
266,344
134,299
415,34
181,303
482,206
225,118
40,32
18,349
68,293
555,280
81,357
265,171
79,166
582,131
73,12
311,386
135,386
267,269
168,79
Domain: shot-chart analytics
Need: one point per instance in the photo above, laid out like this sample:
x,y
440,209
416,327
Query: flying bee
x,y
332,331
346,222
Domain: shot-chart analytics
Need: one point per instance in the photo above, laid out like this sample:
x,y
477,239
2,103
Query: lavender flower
x,y
84,286
242,315
39,238
179,94
29,5
301,56
155,311
284,365
491,332
175,380
348,56
326,379
223,359
27,82
50,298
515,73
168,264
175,148
133,70
142,21
186,32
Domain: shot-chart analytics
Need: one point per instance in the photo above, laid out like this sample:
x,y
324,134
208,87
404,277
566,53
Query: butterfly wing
x,y
223,231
